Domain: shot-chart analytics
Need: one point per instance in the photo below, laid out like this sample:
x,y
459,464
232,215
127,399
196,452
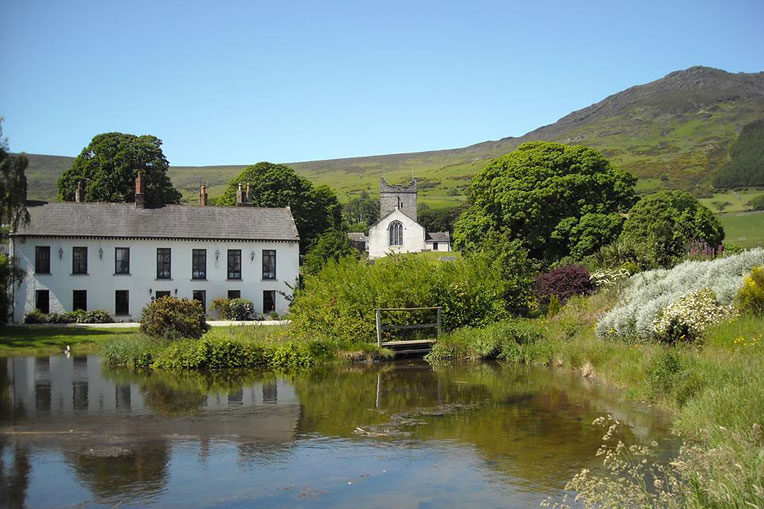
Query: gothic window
x,y
396,233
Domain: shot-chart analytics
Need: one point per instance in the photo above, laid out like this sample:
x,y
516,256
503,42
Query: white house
x,y
120,256
397,230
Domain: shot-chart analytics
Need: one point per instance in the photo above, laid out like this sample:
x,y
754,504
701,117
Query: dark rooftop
x,y
125,220
438,237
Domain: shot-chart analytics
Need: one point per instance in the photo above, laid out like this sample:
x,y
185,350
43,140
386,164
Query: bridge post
x,y
378,313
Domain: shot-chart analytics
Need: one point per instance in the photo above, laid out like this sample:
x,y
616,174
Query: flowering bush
x,y
608,278
234,309
649,293
750,297
563,282
686,318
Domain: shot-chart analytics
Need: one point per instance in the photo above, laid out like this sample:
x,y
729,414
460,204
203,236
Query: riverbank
x,y
714,390
255,347
52,339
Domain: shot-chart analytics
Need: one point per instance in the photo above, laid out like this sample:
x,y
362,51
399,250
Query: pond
x,y
399,434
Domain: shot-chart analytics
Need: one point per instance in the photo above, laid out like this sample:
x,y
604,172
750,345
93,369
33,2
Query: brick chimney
x,y
239,197
79,192
140,189
249,193
203,196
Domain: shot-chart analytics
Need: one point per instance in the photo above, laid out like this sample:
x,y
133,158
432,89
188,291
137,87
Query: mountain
x,y
674,132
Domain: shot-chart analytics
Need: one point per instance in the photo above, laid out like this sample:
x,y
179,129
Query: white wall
x,y
442,246
101,281
379,236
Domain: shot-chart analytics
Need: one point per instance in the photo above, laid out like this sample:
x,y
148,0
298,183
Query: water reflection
x,y
514,434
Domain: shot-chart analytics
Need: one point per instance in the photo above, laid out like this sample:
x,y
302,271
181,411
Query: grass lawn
x,y
731,201
745,229
42,340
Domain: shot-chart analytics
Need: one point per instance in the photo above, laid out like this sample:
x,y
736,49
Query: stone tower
x,y
401,197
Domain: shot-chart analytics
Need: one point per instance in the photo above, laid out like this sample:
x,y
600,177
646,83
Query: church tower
x,y
400,197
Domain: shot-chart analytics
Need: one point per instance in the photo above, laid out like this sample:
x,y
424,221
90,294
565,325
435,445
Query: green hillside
x,y
675,132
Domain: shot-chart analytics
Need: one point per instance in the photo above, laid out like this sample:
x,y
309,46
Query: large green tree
x,y
361,211
665,223
558,200
108,167
13,185
330,245
315,209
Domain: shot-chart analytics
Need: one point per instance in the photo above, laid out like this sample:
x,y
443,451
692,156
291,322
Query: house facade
x,y
119,257
397,230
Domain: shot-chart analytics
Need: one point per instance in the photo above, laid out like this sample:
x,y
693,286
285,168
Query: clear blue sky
x,y
235,82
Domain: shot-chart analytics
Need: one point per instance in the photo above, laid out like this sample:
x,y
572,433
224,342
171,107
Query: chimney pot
x,y
203,196
239,197
140,189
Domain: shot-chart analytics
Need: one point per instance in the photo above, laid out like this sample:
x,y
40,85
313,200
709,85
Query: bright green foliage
x,y
13,186
438,220
339,302
746,167
315,209
665,223
330,245
108,168
498,340
558,200
751,295
173,318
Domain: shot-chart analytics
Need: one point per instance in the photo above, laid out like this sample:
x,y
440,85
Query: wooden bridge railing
x,y
380,327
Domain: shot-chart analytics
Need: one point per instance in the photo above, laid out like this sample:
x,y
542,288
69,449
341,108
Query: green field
x,y
746,229
731,201
44,340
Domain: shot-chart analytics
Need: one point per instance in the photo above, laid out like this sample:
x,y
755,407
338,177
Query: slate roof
x,y
438,237
125,220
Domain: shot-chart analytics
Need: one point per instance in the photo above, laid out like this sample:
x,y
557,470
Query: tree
x,y
330,245
13,185
108,167
438,220
362,211
554,198
665,223
315,210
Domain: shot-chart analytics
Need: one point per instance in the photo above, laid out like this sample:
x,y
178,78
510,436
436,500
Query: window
x,y
79,300
122,302
42,260
201,296
199,264
234,264
269,301
160,294
396,233
79,260
234,294
434,246
269,264
42,301
163,263
122,260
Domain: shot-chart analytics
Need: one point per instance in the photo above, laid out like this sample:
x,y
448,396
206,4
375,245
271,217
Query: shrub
x,y
756,203
665,223
563,282
685,319
648,293
96,316
234,309
507,339
750,297
173,318
608,278
36,316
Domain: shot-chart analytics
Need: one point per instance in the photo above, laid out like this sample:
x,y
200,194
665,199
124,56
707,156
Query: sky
x,y
236,82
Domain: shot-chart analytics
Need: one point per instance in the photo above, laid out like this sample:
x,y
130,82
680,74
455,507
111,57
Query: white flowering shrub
x,y
607,278
686,318
647,294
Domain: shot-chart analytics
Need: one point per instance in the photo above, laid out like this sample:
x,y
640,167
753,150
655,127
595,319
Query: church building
x,y
397,230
